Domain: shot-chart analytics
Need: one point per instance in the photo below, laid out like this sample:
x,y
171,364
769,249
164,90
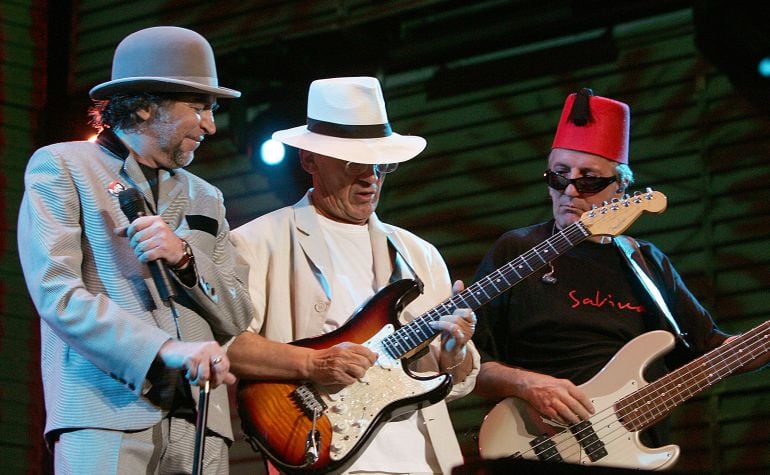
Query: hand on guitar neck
x,y
457,330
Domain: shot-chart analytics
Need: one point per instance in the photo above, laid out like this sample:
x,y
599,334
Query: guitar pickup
x,y
586,436
545,448
308,400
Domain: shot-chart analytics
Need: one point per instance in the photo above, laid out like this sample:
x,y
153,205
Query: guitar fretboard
x,y
643,407
418,331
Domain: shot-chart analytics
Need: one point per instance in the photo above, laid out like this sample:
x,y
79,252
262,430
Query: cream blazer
x,y
289,264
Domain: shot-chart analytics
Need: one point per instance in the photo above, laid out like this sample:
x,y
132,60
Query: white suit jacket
x,y
289,264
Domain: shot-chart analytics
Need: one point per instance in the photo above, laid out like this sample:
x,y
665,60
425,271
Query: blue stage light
x,y
763,67
272,152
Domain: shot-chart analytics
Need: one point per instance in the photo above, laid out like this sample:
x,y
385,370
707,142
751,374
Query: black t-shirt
x,y
571,328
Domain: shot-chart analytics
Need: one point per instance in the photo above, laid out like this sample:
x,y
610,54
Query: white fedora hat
x,y
346,119
163,59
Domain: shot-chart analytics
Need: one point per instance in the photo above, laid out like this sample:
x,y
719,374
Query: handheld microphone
x,y
132,205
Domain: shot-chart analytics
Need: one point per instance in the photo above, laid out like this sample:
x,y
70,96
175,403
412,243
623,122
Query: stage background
x,y
484,83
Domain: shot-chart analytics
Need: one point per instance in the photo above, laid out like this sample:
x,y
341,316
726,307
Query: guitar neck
x,y
418,331
642,408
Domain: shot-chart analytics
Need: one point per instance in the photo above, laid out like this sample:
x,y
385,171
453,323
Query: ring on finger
x,y
216,360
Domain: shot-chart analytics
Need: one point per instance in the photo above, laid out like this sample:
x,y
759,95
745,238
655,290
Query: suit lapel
x,y
133,173
310,237
170,185
382,253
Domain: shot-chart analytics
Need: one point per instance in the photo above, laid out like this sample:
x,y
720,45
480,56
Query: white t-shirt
x,y
400,446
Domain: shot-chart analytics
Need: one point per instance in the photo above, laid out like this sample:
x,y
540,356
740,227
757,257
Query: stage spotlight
x,y
272,152
764,67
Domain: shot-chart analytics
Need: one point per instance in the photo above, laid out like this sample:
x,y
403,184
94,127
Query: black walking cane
x,y
200,429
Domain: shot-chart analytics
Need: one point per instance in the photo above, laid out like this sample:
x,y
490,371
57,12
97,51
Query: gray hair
x,y
625,175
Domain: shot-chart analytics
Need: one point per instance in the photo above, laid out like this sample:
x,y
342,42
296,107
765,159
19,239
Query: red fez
x,y
594,124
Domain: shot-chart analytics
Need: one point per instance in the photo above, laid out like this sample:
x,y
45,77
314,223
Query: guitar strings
x,y
564,240
751,341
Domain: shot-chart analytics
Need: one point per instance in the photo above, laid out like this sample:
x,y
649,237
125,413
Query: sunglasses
x,y
356,169
583,184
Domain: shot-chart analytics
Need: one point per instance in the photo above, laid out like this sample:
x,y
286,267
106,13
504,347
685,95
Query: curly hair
x,y
119,111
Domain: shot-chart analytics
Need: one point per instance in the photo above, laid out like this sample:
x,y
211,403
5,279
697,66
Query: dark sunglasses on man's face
x,y
583,184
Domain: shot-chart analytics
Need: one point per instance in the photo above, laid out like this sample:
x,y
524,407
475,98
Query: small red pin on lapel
x,y
115,187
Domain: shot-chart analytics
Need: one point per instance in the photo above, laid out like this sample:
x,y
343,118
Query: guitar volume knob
x,y
341,426
336,448
340,408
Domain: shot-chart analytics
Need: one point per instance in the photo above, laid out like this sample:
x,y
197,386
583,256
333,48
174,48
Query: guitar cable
x,y
548,278
311,454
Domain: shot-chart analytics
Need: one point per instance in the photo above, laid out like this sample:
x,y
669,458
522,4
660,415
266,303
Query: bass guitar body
x,y
514,429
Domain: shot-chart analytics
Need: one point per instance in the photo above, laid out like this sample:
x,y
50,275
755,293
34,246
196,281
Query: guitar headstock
x,y
617,216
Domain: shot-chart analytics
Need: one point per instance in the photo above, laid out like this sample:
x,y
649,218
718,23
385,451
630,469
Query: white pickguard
x,y
352,409
511,425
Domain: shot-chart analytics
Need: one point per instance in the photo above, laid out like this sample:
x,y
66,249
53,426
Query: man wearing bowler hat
x,y
557,329
121,357
314,263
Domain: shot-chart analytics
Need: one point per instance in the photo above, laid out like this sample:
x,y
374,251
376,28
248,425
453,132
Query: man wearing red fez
x,y
555,343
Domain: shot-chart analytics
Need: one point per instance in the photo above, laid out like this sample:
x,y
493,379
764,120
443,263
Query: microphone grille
x,y
132,203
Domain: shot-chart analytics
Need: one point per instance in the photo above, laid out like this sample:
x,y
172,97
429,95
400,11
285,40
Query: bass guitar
x,y
625,405
308,428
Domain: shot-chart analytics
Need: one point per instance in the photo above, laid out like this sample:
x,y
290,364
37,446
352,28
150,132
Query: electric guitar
x,y
305,427
625,404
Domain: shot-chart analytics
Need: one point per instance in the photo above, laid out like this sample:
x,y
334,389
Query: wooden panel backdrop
x,y
489,127
693,138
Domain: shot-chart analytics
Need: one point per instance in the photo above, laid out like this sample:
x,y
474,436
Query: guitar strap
x,y
630,251
395,252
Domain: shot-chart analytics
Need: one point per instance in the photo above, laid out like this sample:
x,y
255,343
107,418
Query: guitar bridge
x,y
586,436
306,397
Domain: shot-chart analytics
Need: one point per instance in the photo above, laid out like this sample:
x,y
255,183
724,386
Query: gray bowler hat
x,y
163,59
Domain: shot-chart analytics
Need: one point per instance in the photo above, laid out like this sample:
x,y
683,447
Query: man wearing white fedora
x,y
315,263
134,295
